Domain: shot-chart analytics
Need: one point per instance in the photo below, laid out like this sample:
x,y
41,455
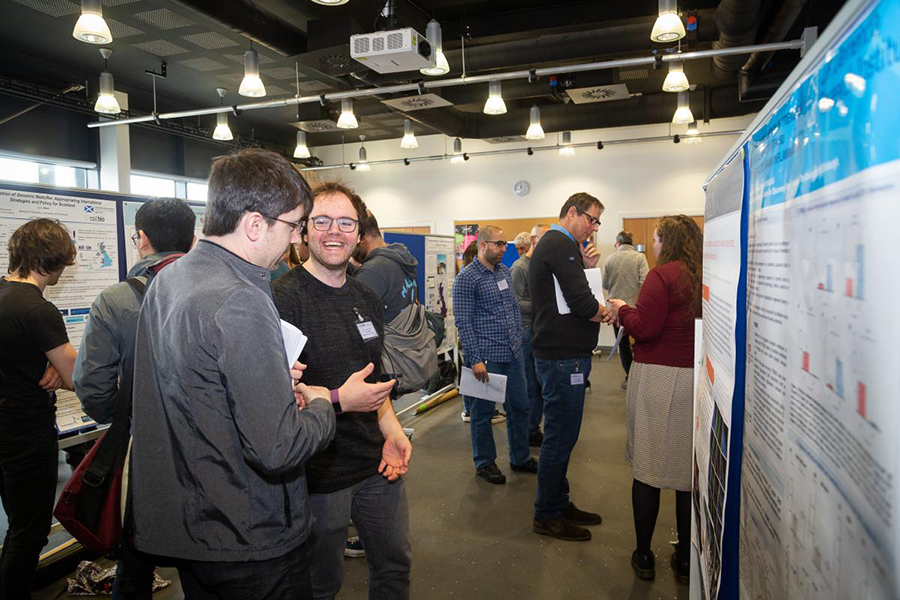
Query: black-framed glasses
x,y
498,243
135,238
595,222
323,223
291,224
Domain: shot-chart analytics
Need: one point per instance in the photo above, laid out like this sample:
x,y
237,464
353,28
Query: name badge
x,y
502,285
367,331
576,378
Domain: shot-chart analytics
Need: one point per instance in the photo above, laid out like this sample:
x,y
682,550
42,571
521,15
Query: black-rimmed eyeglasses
x,y
595,222
291,224
135,238
323,223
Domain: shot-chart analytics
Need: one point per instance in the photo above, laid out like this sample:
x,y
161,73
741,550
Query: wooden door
x,y
642,231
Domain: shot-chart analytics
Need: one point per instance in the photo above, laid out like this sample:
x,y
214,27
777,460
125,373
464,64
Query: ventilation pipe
x,y
737,21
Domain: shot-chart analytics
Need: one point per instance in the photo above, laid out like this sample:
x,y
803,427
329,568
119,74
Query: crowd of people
x,y
246,469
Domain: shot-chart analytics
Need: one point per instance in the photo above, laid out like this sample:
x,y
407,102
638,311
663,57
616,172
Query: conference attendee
x,y
218,443
563,344
522,242
659,401
164,232
490,330
360,474
296,255
624,272
36,359
519,272
388,269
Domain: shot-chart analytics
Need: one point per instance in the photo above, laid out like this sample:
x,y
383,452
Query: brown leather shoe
x,y
575,516
561,529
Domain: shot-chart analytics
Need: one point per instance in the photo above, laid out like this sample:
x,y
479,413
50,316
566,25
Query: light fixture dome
x,y
91,27
223,131
683,114
566,149
676,80
330,2
668,26
535,131
106,101
251,86
347,120
409,137
458,157
302,150
495,104
433,34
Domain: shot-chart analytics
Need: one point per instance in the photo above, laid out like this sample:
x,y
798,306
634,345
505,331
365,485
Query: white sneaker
x,y
354,548
465,416
498,417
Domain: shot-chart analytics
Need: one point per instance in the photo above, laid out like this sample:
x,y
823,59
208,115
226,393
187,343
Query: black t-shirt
x,y
30,326
336,349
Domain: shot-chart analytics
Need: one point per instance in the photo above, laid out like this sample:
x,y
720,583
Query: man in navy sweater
x,y
562,352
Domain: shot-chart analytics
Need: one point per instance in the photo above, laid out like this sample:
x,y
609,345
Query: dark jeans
x,y
380,513
535,400
134,575
625,351
28,473
285,577
484,451
563,409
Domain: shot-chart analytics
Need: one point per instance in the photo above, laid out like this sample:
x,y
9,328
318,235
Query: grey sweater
x,y
623,274
218,443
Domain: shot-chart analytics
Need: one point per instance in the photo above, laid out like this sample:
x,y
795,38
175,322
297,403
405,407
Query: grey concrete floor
x,y
472,540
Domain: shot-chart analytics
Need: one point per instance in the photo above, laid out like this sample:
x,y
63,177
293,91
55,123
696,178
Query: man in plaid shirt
x,y
490,329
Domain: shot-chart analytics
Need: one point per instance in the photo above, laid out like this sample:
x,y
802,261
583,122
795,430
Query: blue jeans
x,y
535,400
563,409
516,406
380,512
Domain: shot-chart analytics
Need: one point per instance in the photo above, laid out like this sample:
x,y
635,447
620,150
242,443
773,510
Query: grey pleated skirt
x,y
660,409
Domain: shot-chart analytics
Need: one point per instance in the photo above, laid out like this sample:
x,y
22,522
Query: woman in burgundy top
x,y
660,386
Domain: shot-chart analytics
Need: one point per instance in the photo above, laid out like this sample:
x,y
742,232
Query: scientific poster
x,y
93,226
465,235
821,445
129,210
716,380
439,276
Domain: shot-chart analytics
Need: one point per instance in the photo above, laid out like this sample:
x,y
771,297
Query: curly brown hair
x,y
682,240
40,246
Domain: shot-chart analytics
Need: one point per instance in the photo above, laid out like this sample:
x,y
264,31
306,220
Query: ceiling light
x,y
458,157
409,138
668,26
106,100
566,149
251,85
683,114
301,151
223,131
535,131
363,157
676,80
347,120
330,2
91,27
495,104
433,34
693,134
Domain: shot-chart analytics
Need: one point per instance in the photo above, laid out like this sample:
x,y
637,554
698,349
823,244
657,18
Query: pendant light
x,y
566,149
302,150
222,131
458,156
693,134
330,2
347,120
409,138
668,26
495,104
683,114
251,86
433,34
535,131
106,100
363,157
676,80
91,27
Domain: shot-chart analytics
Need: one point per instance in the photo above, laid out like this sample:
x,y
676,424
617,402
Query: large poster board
x,y
93,224
439,276
819,496
129,210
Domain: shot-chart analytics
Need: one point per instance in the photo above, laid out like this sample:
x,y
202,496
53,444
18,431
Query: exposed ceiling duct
x,y
751,85
737,21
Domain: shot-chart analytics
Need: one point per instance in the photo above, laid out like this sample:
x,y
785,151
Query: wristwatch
x,y
336,401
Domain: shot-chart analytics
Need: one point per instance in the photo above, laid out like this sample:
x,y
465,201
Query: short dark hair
x,y
252,180
41,246
582,202
327,188
371,225
625,237
168,223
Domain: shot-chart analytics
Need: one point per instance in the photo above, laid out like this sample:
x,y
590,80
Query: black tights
x,y
645,502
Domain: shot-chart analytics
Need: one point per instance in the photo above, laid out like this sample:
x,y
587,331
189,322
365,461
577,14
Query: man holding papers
x,y
562,350
490,330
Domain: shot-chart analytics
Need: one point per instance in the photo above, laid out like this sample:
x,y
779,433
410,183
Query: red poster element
x,y
861,399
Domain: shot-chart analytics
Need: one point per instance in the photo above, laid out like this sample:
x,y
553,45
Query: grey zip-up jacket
x,y
218,443
108,341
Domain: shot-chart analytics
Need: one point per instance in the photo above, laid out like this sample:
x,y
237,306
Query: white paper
x,y
618,341
294,341
494,390
595,280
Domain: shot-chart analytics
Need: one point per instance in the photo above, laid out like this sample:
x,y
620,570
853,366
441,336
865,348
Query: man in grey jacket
x,y
165,231
519,273
623,275
389,269
217,477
